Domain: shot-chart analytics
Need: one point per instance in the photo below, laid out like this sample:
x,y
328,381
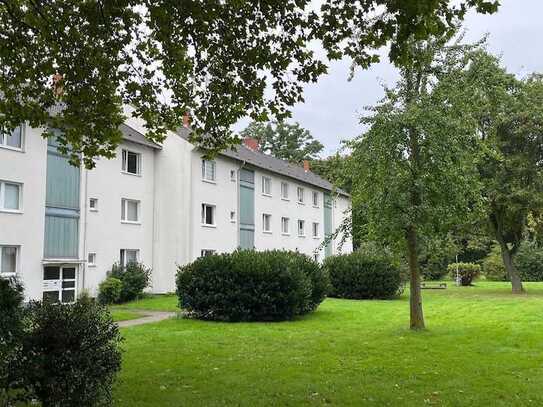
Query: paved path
x,y
149,316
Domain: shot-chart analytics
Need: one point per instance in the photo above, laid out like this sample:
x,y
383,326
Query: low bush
x,y
135,278
529,262
467,272
110,290
11,334
72,353
251,286
361,276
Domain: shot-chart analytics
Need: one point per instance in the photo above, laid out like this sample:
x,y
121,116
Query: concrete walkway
x,y
149,317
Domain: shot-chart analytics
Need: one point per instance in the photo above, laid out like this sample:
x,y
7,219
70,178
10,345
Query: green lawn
x,y
483,346
119,314
166,302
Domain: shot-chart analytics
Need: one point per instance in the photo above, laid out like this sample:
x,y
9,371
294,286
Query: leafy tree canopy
x,y
73,65
286,141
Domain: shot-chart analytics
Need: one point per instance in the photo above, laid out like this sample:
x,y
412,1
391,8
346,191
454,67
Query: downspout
x,y
85,227
238,186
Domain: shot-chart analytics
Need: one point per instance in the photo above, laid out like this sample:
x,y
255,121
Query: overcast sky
x,y
333,105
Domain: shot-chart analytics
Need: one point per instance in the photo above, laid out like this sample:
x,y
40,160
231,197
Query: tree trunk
x,y
415,297
512,272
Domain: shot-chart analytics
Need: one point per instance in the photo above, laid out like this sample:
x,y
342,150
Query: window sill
x,y
8,275
16,149
12,211
91,265
208,181
300,203
301,236
205,225
128,222
316,237
316,206
285,234
268,195
285,199
131,173
93,210
267,232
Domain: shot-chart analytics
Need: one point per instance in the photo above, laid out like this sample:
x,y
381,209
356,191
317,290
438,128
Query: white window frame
x,y
124,159
93,262
4,138
124,205
95,207
123,256
2,196
57,285
315,228
213,215
17,255
284,191
266,218
285,221
315,199
207,175
316,257
207,252
300,195
302,229
266,186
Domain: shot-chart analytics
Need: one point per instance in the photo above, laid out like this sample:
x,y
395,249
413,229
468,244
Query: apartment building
x,y
62,227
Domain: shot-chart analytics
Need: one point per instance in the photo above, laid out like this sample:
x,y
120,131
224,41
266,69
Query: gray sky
x,y
333,105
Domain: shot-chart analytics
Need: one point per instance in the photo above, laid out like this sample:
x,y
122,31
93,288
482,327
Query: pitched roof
x,y
272,164
135,136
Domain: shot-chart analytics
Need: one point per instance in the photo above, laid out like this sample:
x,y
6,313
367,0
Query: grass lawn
x,y
124,315
483,347
166,302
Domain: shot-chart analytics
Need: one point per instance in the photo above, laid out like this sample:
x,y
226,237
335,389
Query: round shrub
x,y
73,354
135,278
467,272
251,286
361,276
109,291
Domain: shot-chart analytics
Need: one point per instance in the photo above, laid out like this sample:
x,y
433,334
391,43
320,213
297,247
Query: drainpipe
x,y
85,227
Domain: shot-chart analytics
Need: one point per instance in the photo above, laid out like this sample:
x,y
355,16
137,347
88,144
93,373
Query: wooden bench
x,y
433,286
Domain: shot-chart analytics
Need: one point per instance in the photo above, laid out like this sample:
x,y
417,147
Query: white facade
x,y
155,213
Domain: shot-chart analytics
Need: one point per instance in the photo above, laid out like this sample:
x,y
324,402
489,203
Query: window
x,y
301,227
233,176
284,190
232,216
130,211
131,162
10,196
285,227
266,185
207,252
91,259
129,256
93,204
315,229
315,199
266,222
59,284
14,139
8,260
300,191
208,214
316,257
208,170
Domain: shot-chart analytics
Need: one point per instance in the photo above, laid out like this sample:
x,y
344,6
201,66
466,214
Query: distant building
x,y
62,227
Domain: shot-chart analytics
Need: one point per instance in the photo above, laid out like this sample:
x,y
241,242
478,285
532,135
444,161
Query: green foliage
x,y
110,290
492,265
135,278
529,261
335,169
72,354
11,333
251,286
289,142
467,272
361,276
214,59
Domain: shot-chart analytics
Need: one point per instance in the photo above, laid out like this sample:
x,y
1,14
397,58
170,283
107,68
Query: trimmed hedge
x,y
467,272
110,290
251,286
361,276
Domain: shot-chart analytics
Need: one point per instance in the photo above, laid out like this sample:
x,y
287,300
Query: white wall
x,y
106,235
26,229
341,209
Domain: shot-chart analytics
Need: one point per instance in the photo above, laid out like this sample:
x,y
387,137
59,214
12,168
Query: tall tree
x,y
286,141
414,166
72,65
509,115
335,168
